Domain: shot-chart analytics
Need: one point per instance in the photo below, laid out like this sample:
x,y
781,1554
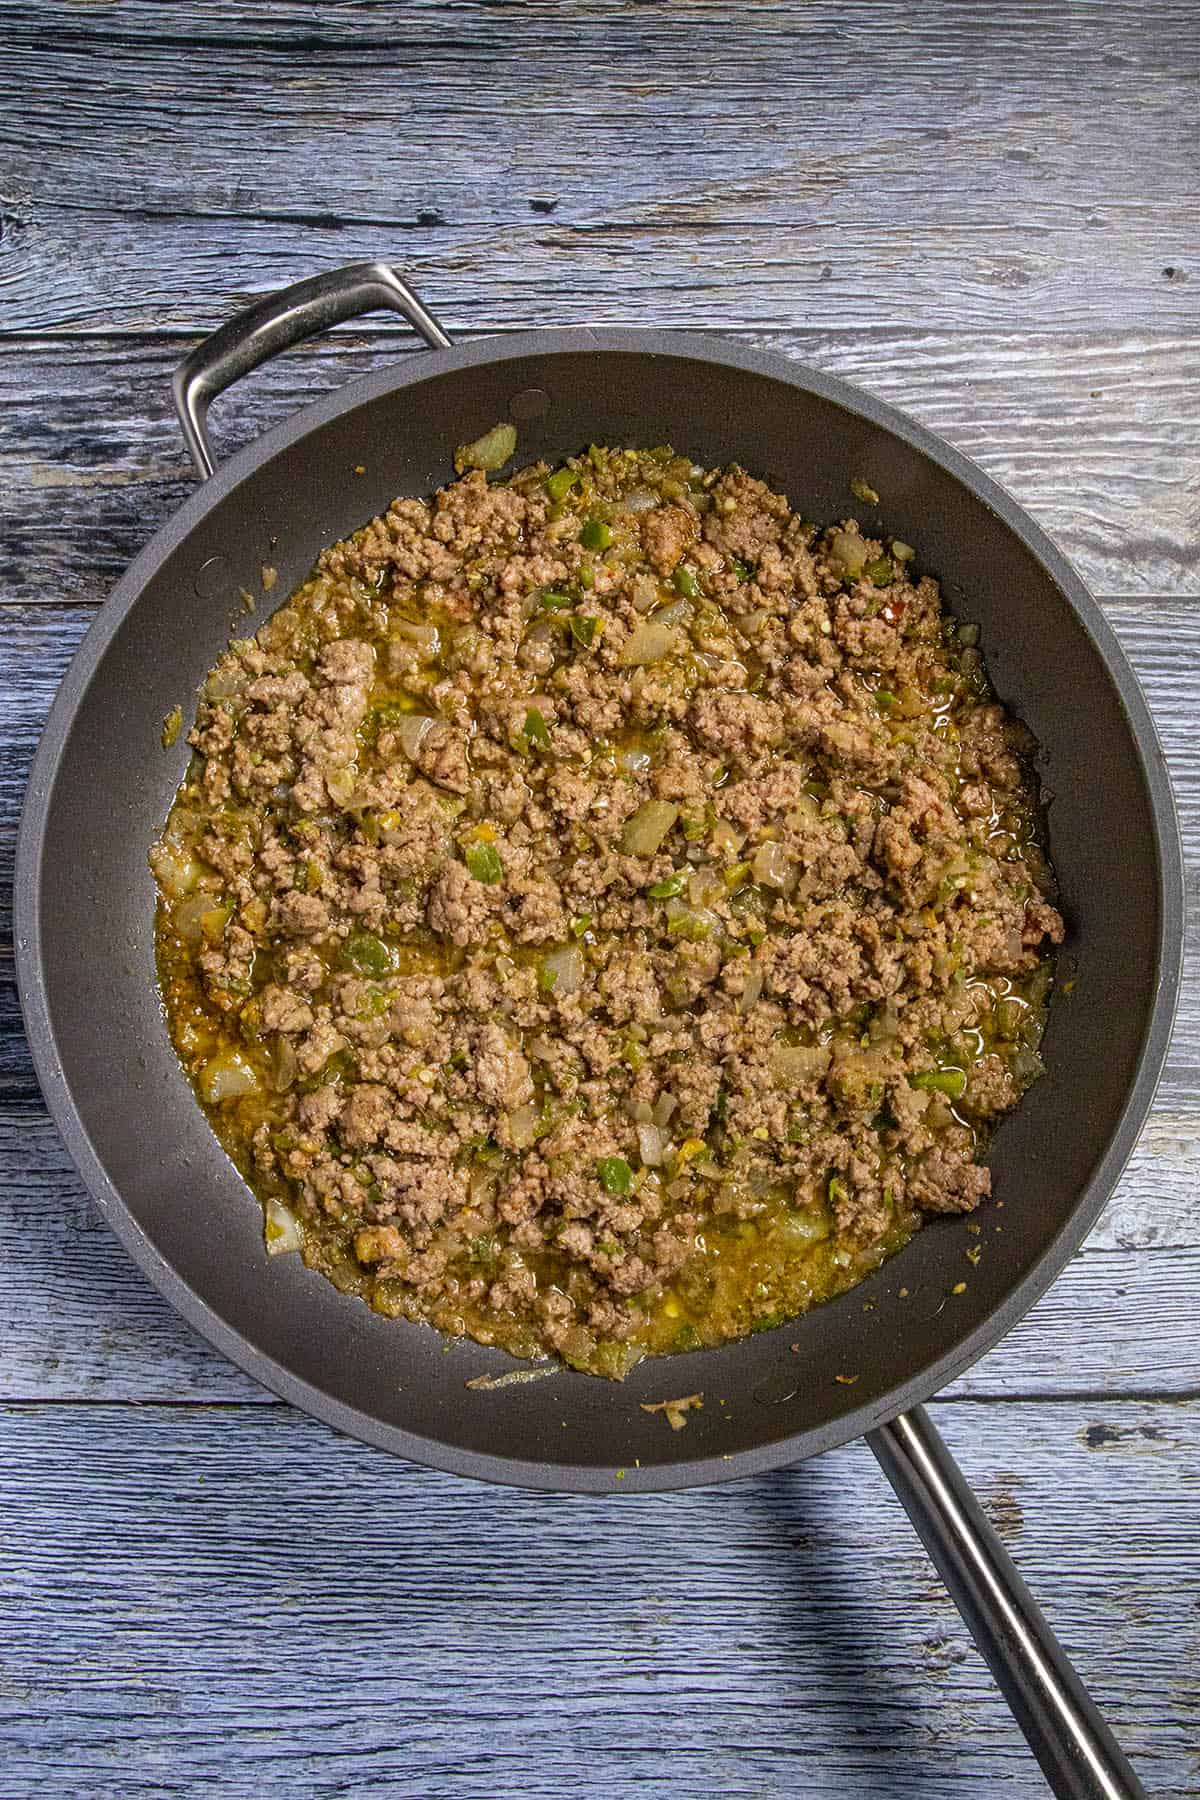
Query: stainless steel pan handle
x,y
1078,1754
276,323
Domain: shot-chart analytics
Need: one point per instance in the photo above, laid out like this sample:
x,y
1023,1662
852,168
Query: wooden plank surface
x,y
1096,433
272,1609
986,216
880,163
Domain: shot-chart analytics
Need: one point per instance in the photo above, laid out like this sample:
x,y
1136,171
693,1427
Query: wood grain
x,y
1095,435
881,164
82,1323
270,1609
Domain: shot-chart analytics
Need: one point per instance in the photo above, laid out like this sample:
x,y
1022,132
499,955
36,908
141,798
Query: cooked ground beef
x,y
604,913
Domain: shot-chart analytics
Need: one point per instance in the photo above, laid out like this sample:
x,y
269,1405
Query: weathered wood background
x,y
986,214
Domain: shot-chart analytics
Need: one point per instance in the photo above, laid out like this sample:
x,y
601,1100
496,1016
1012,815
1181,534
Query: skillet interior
x,y
102,785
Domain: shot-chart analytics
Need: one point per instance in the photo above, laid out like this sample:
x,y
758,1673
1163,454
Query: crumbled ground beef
x,y
606,911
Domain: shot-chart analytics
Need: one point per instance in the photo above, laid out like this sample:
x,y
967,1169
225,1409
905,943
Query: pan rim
x,y
525,1472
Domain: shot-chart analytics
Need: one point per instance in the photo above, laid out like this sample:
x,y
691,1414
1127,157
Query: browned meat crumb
x,y
605,910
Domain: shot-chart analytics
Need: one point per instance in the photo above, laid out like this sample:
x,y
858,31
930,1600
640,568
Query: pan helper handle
x,y
277,322
1078,1754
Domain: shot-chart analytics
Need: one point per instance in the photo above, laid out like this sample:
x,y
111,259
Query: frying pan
x,y
101,785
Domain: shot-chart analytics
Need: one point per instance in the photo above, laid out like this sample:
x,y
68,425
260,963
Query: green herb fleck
x,y
484,1146
559,485
583,629
684,582
952,1082
880,571
171,727
535,729
615,1174
668,887
367,954
553,601
595,535
483,862
862,490
580,925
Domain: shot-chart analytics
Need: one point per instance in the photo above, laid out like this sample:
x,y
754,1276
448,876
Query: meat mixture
x,y
605,913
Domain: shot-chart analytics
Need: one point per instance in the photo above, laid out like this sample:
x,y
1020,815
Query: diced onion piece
x,y
228,1076
187,917
674,614
643,592
286,1065
341,784
412,729
773,867
794,1063
640,501
649,642
650,1145
541,1048
664,1106
847,552
491,451
175,871
561,971
640,1112
482,1186
522,1126
752,988
645,830
281,1229
807,1224
692,923
214,921
423,638
806,811
705,885
726,838
222,684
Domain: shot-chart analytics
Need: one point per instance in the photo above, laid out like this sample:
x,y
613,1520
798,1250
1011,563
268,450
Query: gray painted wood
x,y
270,1609
882,163
1096,433
986,216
